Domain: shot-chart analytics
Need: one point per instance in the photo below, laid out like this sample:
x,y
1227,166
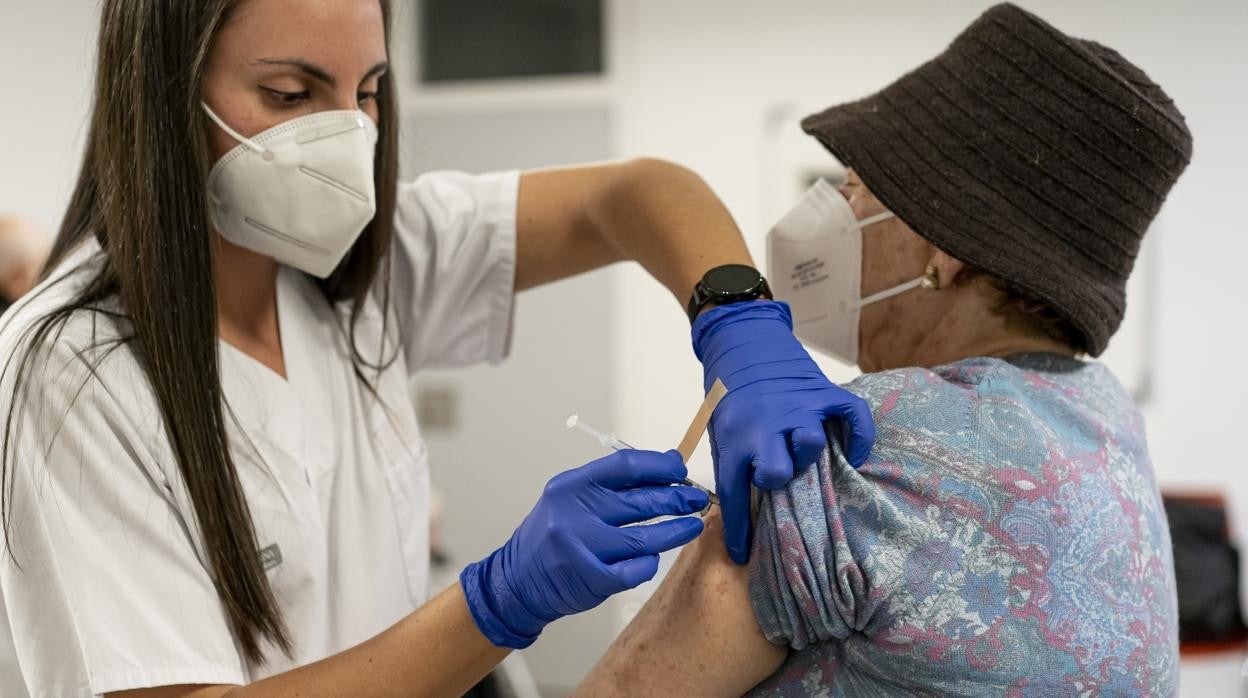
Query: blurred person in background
x,y
24,248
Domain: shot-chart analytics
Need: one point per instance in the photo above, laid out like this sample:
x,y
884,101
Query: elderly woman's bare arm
x,y
695,637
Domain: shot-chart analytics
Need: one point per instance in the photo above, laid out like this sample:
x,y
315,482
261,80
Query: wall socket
x,y
437,408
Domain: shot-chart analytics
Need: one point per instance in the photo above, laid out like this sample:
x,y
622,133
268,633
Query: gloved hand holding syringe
x,y
613,442
692,435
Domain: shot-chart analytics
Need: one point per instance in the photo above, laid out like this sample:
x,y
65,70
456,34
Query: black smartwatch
x,y
728,284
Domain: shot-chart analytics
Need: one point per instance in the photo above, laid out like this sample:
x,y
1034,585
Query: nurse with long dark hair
x,y
214,482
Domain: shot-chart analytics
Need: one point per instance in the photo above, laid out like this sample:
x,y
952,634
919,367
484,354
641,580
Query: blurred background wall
x,y
718,85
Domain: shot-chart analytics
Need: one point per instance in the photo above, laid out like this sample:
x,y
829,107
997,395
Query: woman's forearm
x,y
435,651
666,218
661,215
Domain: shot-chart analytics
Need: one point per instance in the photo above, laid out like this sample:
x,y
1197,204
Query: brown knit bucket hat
x,y
1036,157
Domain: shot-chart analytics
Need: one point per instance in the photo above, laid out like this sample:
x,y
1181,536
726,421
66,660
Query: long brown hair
x,y
142,194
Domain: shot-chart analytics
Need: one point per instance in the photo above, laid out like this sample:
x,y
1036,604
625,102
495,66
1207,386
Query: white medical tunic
x,y
108,589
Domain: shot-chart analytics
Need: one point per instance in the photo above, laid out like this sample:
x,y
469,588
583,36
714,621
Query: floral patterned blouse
x,y
1006,538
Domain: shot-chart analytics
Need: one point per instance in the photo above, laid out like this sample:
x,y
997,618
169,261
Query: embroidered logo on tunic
x,y
271,557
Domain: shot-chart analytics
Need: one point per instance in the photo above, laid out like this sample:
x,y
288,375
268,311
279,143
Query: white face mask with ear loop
x,y
300,192
814,263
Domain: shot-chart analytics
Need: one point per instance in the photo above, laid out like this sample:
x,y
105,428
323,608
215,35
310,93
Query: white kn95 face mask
x,y
814,263
300,192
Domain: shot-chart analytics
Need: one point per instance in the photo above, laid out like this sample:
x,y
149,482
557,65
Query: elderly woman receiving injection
x,y
1006,536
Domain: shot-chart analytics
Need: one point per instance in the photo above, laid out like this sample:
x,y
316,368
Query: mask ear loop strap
x,y
929,281
890,292
252,145
870,220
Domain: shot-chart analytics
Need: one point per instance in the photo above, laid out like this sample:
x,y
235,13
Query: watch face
x,y
732,278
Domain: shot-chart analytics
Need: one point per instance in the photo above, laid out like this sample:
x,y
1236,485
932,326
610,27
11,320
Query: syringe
x,y
613,442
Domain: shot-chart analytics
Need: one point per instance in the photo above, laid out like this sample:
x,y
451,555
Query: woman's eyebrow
x,y
316,71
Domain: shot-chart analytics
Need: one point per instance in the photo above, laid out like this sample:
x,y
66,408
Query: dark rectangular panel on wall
x,y
493,39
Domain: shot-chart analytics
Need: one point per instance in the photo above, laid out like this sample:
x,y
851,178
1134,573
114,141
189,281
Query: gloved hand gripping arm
x,y
770,424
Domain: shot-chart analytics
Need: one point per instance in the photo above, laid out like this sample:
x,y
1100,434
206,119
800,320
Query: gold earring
x,y
931,281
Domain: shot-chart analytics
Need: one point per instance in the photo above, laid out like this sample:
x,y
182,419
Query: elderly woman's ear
x,y
943,270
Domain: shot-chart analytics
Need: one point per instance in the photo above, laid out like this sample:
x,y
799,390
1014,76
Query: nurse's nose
x,y
345,99
349,99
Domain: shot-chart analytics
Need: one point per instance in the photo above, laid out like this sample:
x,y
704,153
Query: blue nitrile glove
x,y
770,424
572,551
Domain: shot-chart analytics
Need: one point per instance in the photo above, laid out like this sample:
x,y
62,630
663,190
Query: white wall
x,y
47,50
508,433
